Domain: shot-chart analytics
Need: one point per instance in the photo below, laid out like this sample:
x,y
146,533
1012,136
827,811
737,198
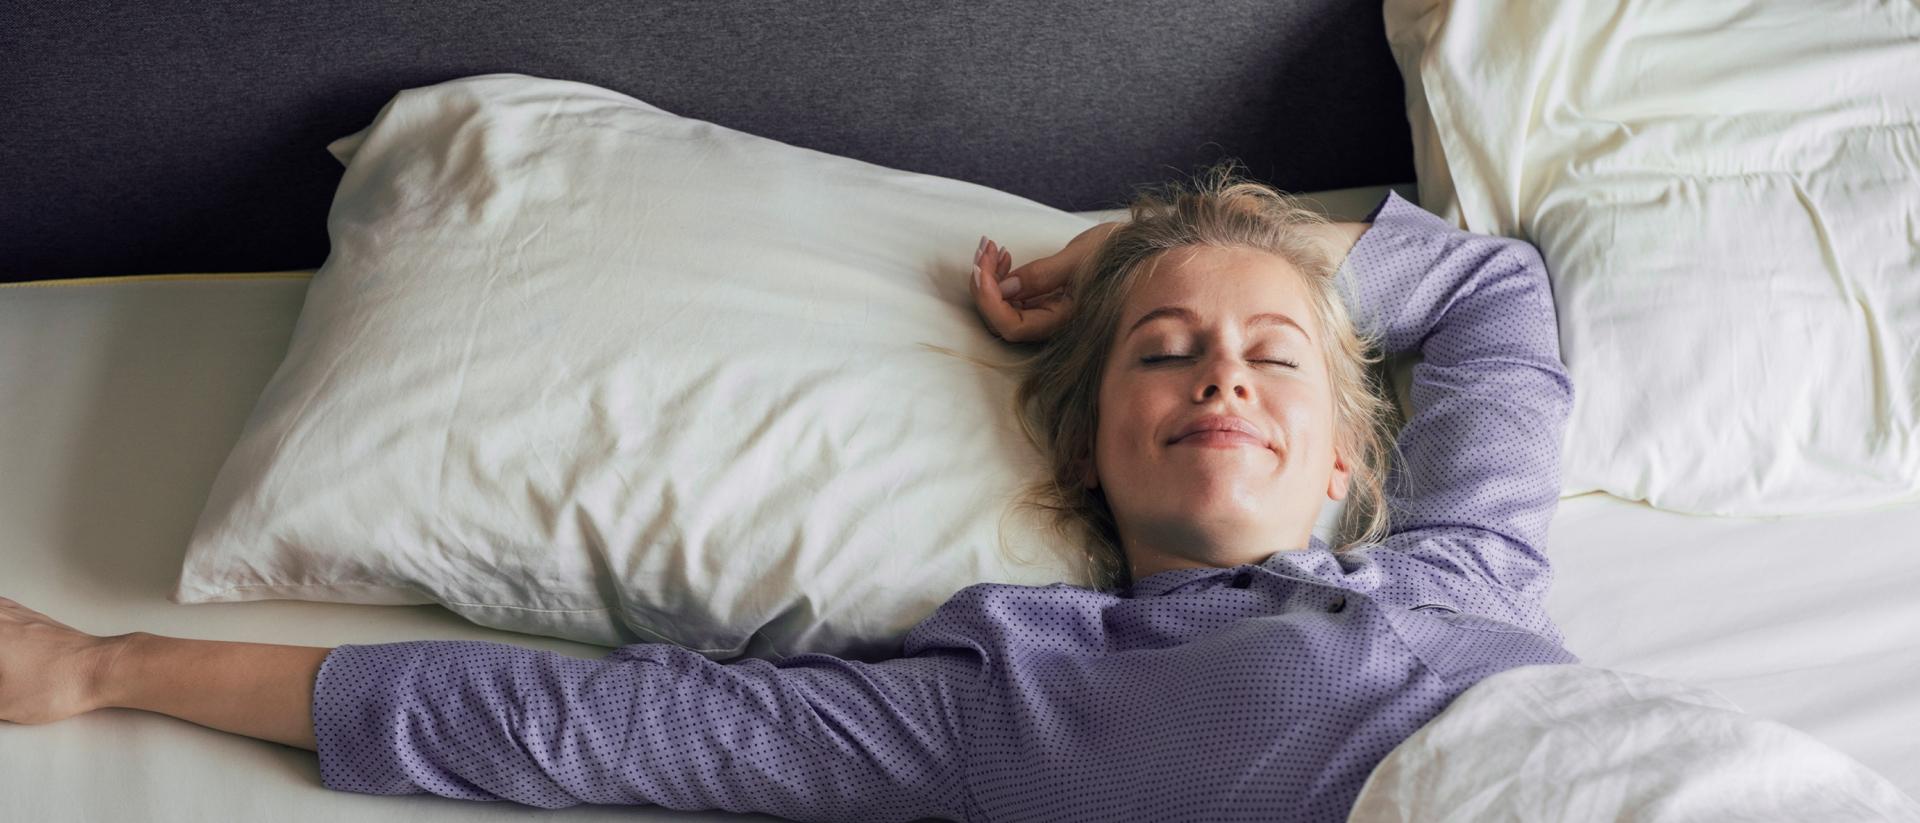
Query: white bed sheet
x,y
120,399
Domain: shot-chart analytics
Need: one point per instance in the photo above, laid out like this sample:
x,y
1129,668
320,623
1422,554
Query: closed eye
x,y
1164,357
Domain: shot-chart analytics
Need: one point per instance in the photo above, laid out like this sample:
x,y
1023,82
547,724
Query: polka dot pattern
x,y
1262,692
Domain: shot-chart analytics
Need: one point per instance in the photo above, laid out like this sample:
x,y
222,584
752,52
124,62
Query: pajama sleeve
x,y
1477,478
811,737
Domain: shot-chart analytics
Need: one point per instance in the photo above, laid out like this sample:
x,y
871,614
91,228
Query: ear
x,y
1337,482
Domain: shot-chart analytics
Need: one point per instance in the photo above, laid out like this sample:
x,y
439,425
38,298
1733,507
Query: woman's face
x,y
1229,333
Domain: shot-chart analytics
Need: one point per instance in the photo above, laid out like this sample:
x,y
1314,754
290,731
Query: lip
x,y
1219,439
1219,430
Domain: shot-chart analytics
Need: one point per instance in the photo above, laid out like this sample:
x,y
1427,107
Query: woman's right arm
x,y
262,690
809,737
50,671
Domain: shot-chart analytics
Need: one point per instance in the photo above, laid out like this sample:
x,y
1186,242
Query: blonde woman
x,y
1201,393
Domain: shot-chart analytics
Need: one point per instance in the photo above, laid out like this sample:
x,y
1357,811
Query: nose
x,y
1239,391
1223,375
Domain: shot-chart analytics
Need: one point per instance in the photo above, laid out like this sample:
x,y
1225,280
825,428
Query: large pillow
x,y
1728,200
580,367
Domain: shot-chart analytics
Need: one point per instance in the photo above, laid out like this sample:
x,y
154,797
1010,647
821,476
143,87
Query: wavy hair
x,y
1059,385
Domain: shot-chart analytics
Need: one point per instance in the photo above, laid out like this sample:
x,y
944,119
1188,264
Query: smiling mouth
x,y
1224,439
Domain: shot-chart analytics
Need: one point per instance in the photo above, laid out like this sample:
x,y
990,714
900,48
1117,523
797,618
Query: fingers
x,y
1003,317
1020,305
1017,320
998,263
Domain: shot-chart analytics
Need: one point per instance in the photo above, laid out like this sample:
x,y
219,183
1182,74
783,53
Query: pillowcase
x,y
583,368
1725,198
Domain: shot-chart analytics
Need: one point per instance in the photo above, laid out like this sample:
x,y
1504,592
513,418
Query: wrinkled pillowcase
x,y
1728,214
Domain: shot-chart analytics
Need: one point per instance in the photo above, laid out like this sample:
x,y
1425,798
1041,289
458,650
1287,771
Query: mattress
x,y
120,398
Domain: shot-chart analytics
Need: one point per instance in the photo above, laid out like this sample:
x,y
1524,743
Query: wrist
x,y
110,686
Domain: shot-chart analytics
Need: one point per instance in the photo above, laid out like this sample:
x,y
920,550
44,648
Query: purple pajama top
x,y
1265,691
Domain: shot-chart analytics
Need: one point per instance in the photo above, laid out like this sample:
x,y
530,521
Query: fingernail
x,y
974,284
983,247
1010,286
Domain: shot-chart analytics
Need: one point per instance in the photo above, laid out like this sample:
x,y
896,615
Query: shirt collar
x,y
1158,584
1316,552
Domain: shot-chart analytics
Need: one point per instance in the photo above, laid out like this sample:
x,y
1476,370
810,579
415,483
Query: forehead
x,y
1220,286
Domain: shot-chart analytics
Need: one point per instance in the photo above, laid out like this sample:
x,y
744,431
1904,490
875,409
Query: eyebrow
x,y
1184,313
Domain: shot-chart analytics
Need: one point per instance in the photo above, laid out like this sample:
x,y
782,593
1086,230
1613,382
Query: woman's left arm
x,y
1477,478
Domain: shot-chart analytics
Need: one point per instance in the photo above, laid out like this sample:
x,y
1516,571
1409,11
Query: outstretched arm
x,y
262,690
810,737
50,671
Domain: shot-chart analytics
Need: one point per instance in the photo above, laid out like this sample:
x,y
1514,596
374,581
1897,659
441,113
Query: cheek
x,y
1308,414
1109,419
1123,419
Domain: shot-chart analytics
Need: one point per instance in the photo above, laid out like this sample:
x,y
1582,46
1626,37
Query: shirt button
x,y
1338,605
1243,580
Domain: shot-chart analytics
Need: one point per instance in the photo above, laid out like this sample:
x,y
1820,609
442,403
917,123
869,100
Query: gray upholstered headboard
x,y
190,136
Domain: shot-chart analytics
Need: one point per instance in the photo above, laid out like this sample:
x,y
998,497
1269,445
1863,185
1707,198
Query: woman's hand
x,y
48,670
1028,304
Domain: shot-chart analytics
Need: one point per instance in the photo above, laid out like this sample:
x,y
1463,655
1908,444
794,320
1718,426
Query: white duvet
x,y
1586,743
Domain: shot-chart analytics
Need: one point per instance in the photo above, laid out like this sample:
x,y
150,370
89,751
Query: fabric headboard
x,y
190,136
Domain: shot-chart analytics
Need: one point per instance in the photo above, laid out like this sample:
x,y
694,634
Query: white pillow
x,y
583,368
1728,201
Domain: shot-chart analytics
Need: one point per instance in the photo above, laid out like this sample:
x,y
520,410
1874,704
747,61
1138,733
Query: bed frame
x,y
190,136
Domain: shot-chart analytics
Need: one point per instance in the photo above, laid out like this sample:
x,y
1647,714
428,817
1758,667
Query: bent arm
x,y
1491,396
1479,476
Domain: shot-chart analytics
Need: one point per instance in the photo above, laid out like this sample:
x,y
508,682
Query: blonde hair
x,y
1059,388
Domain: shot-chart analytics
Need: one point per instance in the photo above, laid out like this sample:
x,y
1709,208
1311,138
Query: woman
x,y
1201,394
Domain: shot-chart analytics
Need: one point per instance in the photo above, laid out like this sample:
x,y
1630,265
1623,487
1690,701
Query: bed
x,y
166,212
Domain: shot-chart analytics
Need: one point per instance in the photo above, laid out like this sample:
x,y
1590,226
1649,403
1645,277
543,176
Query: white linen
x,y
1807,620
1585,743
581,367
1727,196
122,397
